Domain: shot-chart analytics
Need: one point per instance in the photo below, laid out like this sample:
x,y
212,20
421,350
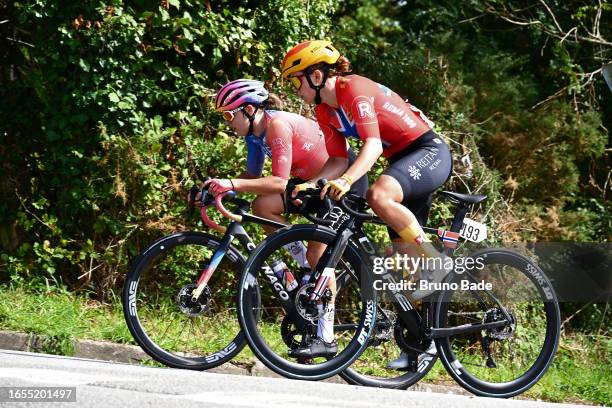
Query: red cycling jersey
x,y
368,109
297,145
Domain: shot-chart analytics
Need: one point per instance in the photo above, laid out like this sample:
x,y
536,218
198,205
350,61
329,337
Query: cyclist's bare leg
x,y
385,198
269,206
412,252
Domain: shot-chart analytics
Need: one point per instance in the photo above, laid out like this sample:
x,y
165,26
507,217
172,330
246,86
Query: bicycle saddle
x,y
464,198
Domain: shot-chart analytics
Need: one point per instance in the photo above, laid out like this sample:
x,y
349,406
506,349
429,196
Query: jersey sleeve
x,y
366,122
255,157
280,140
335,143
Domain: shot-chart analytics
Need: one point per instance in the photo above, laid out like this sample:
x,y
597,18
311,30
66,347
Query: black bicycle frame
x,y
234,230
414,321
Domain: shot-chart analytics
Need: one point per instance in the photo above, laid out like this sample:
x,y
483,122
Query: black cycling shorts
x,y
420,169
315,205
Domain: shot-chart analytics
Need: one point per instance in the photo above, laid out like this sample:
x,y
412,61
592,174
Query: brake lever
x,y
194,190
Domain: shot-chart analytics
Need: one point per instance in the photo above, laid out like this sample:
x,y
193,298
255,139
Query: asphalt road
x,y
105,384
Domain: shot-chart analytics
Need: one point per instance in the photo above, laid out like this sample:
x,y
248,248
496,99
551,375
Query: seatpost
x,y
461,211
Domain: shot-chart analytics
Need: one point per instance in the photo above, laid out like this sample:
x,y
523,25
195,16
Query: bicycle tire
x,y
505,389
249,320
135,300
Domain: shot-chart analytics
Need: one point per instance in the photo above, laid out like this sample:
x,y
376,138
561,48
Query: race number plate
x,y
473,231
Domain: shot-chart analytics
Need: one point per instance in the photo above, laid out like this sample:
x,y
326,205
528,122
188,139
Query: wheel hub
x,y
302,300
190,307
499,333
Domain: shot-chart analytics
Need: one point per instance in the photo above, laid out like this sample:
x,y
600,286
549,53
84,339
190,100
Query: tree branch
x,y
552,15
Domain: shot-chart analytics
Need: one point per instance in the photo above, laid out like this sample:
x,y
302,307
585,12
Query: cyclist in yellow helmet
x,y
352,106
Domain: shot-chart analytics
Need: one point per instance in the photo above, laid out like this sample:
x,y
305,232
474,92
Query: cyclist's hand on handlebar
x,y
302,187
337,188
219,186
299,188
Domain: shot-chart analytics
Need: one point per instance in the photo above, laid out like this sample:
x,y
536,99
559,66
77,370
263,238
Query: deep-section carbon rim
x,y
167,326
545,301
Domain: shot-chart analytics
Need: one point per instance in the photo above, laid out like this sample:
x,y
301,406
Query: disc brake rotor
x,y
499,333
190,307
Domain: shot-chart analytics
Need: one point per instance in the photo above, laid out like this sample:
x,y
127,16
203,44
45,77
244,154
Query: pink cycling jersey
x,y
298,149
368,109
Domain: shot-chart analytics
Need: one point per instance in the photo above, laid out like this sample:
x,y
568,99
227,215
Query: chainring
x,y
408,342
291,335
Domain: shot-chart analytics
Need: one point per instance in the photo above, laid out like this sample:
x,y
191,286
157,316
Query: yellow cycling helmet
x,y
307,54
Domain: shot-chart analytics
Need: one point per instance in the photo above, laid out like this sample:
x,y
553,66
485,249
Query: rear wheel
x,y
508,360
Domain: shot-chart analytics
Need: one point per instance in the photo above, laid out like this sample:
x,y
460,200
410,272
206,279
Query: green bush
x,y
106,107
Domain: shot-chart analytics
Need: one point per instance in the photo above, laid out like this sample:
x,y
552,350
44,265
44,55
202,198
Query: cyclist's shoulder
x,y
279,132
287,118
353,84
353,87
282,120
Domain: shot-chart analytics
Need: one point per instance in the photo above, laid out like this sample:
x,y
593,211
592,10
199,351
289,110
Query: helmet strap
x,y
317,88
251,118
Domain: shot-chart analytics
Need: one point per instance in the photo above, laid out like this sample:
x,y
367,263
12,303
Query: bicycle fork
x,y
233,229
328,263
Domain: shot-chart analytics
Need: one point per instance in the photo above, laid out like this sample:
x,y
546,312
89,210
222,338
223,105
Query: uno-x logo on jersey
x,y
307,146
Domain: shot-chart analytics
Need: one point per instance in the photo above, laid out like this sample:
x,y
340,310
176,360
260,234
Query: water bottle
x,y
283,273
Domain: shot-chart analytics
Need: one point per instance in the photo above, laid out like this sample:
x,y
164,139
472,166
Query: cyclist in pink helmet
x,y
294,143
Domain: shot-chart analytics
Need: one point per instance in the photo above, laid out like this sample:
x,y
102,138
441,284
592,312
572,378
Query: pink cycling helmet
x,y
239,92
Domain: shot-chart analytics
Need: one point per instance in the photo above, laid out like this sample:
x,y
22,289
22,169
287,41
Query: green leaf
x,y
197,49
113,97
216,56
124,105
84,65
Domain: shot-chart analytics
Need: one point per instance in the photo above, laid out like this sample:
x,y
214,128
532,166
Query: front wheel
x,y
282,321
501,361
159,311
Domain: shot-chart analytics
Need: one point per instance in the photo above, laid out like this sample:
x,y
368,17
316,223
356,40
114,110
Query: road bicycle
x,y
494,341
